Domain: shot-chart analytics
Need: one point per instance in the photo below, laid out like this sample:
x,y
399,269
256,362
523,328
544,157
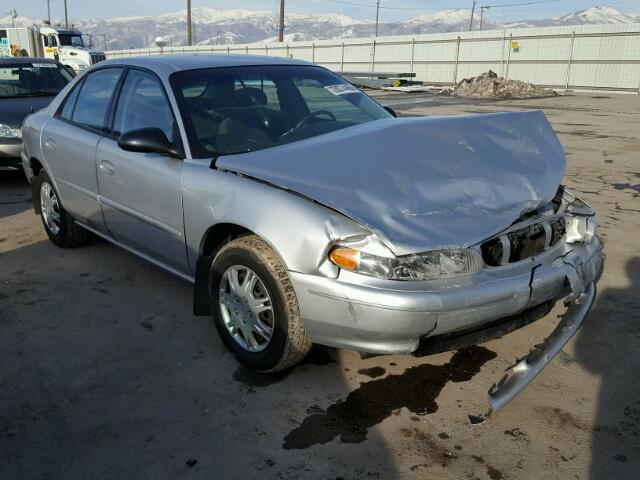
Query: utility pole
x,y
473,9
281,23
49,11
189,38
66,17
377,16
482,9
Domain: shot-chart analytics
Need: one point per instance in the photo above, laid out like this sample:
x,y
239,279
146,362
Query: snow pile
x,y
489,85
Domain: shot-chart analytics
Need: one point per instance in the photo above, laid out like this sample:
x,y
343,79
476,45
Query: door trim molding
x,y
141,217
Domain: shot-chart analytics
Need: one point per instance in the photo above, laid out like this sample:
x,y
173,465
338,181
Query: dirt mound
x,y
489,85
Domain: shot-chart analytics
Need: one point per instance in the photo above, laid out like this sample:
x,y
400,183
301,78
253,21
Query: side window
x,y
70,102
93,100
143,104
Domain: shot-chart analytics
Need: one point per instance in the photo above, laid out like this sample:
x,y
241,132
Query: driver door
x,y
141,193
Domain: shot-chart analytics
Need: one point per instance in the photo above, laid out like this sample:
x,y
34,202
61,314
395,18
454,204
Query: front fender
x,y
299,230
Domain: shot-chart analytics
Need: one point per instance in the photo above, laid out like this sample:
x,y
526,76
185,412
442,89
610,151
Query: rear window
x,y
32,79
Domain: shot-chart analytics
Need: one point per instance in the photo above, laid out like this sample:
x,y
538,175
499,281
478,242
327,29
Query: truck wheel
x,y
59,225
254,306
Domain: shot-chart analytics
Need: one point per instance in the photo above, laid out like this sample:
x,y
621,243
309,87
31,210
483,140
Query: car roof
x,y
168,64
21,60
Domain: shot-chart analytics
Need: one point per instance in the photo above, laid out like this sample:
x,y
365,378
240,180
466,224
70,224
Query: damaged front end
x,y
469,234
450,299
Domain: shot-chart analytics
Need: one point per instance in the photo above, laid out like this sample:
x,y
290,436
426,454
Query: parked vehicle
x,y
304,212
26,85
47,41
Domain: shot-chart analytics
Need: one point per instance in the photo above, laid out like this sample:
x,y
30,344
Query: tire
x,y
288,343
61,228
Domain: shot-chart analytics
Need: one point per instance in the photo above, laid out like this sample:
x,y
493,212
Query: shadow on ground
x,y
611,336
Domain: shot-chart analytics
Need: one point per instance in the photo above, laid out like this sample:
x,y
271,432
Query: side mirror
x,y
148,140
391,111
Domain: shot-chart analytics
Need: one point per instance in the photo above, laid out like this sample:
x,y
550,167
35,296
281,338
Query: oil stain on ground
x,y
416,389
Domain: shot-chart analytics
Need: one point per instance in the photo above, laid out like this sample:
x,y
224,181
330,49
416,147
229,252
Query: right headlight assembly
x,y
582,221
422,266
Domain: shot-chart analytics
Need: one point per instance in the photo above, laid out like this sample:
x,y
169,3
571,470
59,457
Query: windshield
x,y
71,40
242,109
32,79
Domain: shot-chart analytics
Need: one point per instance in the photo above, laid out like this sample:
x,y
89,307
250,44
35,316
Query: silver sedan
x,y
304,212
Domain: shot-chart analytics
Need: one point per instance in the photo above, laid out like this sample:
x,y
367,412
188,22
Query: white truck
x,y
46,41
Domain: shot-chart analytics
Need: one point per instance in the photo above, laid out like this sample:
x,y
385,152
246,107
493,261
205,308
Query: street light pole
x,y
473,9
189,38
377,16
66,17
49,10
281,22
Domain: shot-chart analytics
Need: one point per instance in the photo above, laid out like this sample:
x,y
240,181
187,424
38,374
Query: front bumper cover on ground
x,y
525,370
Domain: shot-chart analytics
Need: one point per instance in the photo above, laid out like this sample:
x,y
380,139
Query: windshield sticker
x,y
44,65
341,89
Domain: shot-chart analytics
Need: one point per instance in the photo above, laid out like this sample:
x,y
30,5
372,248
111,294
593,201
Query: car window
x,y
319,96
32,79
70,102
143,104
93,100
241,109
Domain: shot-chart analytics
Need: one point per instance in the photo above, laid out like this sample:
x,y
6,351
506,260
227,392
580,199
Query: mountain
x,y
591,16
213,26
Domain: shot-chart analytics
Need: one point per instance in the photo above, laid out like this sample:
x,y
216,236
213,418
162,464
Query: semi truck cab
x,y
65,45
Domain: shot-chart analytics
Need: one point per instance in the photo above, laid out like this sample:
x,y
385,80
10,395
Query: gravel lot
x,y
106,374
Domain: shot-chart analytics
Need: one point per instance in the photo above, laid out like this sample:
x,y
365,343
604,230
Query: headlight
x,y
8,132
423,266
581,229
582,222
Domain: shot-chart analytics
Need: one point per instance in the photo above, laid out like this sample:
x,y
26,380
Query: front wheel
x,y
255,307
59,225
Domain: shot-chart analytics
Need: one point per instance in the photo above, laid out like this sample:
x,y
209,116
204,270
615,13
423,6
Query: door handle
x,y
50,143
107,167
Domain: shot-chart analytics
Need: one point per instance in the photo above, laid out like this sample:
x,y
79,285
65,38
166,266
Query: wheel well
x,y
35,165
220,234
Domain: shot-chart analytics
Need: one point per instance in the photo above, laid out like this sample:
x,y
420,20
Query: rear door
x,y
70,140
141,193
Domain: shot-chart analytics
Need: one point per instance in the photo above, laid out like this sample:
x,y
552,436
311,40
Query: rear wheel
x,y
59,225
255,307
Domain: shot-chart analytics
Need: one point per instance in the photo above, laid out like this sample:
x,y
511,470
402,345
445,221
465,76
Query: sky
x,y
391,10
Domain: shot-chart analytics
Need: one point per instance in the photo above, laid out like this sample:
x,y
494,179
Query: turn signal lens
x,y
345,257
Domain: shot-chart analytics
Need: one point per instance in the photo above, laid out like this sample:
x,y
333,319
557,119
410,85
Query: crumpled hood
x,y
422,183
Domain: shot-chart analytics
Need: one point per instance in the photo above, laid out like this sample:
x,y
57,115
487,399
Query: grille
x,y
97,57
523,243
